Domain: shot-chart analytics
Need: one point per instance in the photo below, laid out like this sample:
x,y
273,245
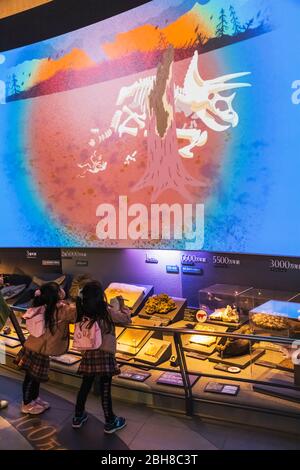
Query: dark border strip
x,y
58,17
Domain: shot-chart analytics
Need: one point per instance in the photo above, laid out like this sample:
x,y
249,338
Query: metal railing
x,y
186,372
183,368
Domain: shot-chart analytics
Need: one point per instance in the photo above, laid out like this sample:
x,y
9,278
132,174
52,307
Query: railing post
x,y
184,374
16,326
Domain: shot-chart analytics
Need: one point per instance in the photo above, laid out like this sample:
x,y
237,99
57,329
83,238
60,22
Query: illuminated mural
x,y
170,104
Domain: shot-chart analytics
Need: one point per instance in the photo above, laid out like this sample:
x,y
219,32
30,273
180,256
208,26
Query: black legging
x,y
105,391
31,389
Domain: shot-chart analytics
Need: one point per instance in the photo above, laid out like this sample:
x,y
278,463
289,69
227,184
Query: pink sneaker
x,y
32,408
42,403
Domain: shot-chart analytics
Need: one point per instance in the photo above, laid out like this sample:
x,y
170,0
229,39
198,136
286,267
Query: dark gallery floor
x,y
146,428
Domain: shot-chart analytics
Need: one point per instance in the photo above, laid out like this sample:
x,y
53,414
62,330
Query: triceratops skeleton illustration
x,y
198,99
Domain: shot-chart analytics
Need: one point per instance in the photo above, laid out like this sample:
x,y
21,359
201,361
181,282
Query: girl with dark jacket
x,y
92,305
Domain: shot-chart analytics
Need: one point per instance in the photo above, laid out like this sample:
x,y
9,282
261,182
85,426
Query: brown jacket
x,y
58,343
109,342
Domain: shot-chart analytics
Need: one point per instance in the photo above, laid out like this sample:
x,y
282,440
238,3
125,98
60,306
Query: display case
x,y
219,304
131,341
276,318
204,344
254,297
134,296
244,366
220,295
154,352
166,309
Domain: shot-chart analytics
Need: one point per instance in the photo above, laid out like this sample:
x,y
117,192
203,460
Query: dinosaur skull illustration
x,y
200,100
204,99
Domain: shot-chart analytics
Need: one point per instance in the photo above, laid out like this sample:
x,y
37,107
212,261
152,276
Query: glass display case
x,y
276,318
254,297
131,341
225,355
220,295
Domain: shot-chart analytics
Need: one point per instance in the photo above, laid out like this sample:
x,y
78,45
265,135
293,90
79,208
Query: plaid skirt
x,y
98,362
36,365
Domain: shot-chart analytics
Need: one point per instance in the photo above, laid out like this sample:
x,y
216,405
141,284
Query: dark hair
x,y
92,304
49,297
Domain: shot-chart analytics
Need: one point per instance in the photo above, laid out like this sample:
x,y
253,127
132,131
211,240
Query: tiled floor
x,y
146,428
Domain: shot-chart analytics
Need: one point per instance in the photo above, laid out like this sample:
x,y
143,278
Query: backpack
x,y
87,335
35,321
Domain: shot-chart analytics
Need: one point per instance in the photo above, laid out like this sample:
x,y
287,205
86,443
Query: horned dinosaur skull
x,y
205,99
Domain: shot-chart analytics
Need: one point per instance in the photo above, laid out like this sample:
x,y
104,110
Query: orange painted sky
x,y
148,37
76,59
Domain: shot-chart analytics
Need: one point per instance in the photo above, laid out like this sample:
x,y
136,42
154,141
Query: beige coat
x,y
109,342
58,343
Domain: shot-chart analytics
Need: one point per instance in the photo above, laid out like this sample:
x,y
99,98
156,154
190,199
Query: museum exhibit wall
x,y
113,110
127,266
30,261
246,166
79,131
264,272
133,266
12,7
55,17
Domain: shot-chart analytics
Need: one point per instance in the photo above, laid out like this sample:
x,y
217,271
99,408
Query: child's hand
x,y
121,301
126,310
61,294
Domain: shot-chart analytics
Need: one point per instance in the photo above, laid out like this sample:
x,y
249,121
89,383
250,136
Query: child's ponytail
x,y
79,306
92,303
48,295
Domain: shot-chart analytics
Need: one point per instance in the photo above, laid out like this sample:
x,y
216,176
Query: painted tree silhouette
x,y
201,39
7,83
248,24
14,85
236,26
222,25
